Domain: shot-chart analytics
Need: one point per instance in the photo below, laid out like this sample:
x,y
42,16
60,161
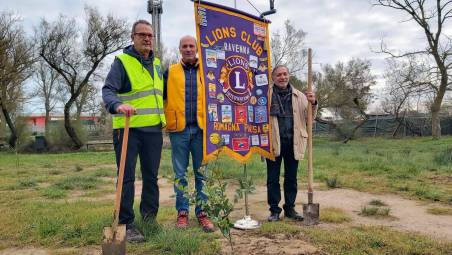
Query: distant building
x,y
36,123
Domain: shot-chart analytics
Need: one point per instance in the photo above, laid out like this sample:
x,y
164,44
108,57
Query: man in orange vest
x,y
184,111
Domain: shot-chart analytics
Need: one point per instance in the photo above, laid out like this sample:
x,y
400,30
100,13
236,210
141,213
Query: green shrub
x,y
375,211
59,139
427,192
377,202
333,182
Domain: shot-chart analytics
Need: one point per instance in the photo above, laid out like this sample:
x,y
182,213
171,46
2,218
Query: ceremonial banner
x,y
234,61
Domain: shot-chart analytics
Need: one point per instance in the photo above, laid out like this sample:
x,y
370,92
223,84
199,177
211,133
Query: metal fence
x,y
387,125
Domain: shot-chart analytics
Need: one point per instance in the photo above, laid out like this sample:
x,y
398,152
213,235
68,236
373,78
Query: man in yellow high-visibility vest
x,y
134,87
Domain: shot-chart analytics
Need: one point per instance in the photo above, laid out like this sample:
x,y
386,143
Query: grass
x,y
379,212
440,211
27,183
164,238
105,172
443,157
278,228
36,207
374,240
334,215
78,182
53,193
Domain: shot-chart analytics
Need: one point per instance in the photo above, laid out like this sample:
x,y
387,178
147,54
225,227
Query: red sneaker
x,y
205,222
182,219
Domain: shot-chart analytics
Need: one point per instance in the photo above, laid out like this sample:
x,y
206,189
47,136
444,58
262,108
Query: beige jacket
x,y
300,113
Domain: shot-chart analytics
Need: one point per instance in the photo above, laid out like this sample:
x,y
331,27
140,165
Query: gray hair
x,y
277,67
140,21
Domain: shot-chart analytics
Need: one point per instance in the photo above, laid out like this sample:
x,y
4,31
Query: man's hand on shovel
x,y
126,109
311,97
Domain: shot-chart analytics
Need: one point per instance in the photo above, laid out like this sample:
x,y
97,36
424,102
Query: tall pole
x,y
309,126
245,176
155,9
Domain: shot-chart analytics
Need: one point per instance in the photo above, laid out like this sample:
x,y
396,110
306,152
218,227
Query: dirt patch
x,y
89,250
411,215
407,215
249,243
27,251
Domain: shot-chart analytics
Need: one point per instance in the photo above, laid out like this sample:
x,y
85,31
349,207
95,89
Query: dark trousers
x,y
148,145
290,179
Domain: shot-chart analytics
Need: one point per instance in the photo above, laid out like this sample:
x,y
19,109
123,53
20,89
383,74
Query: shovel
x,y
114,242
310,210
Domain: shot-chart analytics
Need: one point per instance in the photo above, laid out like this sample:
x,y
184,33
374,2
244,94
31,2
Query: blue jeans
x,y
182,144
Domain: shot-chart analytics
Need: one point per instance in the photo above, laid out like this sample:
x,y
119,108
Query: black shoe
x,y
292,214
133,235
273,217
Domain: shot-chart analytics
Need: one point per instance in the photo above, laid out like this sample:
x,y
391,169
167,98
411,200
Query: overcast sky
x,y
337,30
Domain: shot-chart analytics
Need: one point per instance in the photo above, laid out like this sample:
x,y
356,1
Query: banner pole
x,y
245,176
246,222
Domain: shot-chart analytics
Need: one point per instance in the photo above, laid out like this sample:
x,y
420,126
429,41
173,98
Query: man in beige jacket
x,y
288,118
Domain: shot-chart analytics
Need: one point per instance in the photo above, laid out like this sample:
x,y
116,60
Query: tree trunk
x,y
436,125
13,138
47,121
78,113
68,126
436,106
352,134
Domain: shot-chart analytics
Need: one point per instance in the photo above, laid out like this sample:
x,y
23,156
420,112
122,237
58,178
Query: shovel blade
x,y
311,214
114,244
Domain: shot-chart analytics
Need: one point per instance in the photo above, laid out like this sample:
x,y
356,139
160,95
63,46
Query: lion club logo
x,y
236,79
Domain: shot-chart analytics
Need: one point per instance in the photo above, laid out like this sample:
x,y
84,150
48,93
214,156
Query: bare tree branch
x,y
16,59
431,17
78,62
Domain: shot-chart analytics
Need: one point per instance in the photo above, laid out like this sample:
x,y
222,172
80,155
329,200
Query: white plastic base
x,y
246,223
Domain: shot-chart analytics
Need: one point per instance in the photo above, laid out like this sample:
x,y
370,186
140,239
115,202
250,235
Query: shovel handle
x,y
122,166
309,127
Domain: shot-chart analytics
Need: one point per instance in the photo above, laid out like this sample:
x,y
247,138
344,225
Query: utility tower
x,y
155,9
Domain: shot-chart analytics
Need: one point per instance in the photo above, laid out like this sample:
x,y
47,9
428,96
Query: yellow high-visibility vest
x,y
146,94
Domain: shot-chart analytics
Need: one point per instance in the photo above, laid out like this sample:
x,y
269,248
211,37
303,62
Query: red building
x,y
37,122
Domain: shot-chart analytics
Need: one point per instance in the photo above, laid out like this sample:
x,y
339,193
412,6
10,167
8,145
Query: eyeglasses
x,y
144,35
